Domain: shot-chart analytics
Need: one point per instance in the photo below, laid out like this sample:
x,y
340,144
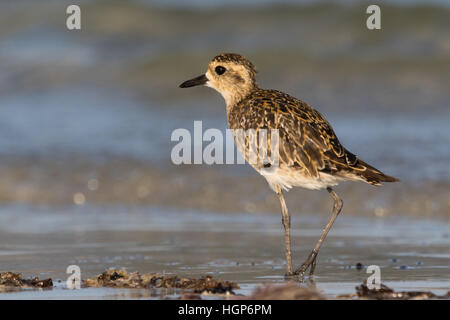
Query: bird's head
x,y
231,74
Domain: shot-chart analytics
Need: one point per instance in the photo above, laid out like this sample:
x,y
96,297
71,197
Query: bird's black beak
x,y
194,82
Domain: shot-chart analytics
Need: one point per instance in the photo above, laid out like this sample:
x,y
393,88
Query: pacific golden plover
x,y
310,154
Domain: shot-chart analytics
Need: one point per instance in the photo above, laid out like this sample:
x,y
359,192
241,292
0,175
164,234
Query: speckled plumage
x,y
309,150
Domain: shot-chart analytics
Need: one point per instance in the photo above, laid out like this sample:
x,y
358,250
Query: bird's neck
x,y
235,95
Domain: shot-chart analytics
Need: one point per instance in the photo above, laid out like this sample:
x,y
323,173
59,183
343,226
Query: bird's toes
x,y
288,276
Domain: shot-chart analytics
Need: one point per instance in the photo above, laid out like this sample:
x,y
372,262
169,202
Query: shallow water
x,y
412,254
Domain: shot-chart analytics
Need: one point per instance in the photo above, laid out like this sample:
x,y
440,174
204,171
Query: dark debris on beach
x,y
193,288
10,281
385,293
123,279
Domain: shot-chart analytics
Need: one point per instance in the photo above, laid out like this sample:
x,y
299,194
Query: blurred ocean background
x,y
86,116
86,119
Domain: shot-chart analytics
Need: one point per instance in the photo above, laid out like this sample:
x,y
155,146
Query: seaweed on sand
x,y
10,281
386,293
123,279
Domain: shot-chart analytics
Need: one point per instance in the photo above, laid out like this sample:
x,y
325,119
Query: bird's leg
x,y
286,219
311,261
313,266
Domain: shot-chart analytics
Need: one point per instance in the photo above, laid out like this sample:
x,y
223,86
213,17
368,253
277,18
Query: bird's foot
x,y
289,276
309,263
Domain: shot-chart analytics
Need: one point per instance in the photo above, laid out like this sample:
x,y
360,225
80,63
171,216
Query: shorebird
x,y
310,154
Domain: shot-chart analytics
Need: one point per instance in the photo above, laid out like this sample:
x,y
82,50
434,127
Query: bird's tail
x,y
374,176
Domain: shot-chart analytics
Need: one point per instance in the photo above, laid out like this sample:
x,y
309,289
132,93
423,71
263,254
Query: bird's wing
x,y
313,134
306,139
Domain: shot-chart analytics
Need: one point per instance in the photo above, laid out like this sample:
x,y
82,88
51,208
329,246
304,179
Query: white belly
x,y
288,178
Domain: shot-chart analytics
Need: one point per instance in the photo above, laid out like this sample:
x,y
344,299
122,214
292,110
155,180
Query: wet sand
x,y
413,254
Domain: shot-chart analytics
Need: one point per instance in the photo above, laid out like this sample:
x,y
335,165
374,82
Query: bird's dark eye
x,y
220,70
